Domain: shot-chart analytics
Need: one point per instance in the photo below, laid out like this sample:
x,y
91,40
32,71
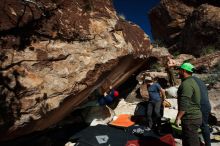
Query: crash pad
x,y
166,140
123,120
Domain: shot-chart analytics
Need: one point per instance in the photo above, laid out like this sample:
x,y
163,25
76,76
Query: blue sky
x,y
136,11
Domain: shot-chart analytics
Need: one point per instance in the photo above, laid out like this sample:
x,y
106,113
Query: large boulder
x,y
54,54
187,26
202,31
168,19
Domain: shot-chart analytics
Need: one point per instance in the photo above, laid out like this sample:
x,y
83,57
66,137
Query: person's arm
x,y
163,93
112,90
178,117
171,63
108,99
185,93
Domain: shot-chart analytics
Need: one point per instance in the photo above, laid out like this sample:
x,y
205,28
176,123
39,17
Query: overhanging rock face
x,y
55,53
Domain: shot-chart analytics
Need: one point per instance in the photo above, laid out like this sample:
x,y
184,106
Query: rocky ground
x,y
129,108
212,81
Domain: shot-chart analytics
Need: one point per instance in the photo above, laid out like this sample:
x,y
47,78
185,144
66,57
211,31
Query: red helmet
x,y
116,93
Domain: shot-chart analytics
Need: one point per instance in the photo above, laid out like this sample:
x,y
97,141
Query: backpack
x,y
139,113
143,91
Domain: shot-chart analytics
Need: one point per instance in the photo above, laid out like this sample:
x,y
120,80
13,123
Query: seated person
x,y
108,98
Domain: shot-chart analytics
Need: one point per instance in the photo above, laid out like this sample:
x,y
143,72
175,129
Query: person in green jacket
x,y
189,113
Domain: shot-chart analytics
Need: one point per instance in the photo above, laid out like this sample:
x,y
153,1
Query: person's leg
x,y
205,128
149,114
190,136
157,109
161,109
171,76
